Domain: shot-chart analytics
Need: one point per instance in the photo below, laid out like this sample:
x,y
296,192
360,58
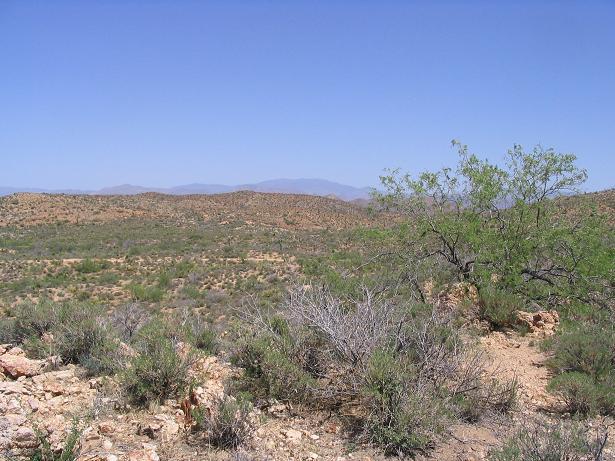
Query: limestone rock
x,y
16,365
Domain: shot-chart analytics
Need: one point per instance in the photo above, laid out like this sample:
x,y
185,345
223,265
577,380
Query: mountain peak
x,y
308,186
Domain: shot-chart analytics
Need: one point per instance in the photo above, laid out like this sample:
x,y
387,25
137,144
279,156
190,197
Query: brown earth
x,y
286,211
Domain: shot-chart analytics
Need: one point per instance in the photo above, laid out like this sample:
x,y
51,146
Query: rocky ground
x,y
38,397
44,399
285,211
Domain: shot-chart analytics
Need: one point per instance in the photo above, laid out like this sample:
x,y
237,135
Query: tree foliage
x,y
504,224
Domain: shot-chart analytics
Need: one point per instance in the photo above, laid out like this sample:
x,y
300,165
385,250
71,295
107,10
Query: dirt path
x,y
510,356
515,356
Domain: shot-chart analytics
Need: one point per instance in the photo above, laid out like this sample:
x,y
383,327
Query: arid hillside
x,y
167,328
268,209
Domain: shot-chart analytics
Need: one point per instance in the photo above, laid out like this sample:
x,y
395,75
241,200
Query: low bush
x,y
158,370
585,347
228,425
403,418
81,336
193,328
192,292
75,331
584,358
68,452
89,266
128,320
552,442
498,307
33,319
270,372
164,280
152,294
405,365
583,395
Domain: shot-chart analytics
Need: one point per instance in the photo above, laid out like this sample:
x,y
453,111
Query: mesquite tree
x,y
503,224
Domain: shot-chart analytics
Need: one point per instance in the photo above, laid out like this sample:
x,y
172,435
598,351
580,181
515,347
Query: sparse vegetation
x,y
405,365
75,331
68,452
228,426
559,441
373,322
158,370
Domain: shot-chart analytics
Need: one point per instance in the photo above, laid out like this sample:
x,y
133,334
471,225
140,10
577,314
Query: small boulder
x,y
19,365
147,454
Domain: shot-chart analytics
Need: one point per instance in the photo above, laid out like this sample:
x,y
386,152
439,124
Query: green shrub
x,y
76,332
270,372
191,292
88,266
193,328
80,336
183,268
584,358
585,347
584,395
498,307
69,452
205,338
551,442
152,294
164,280
402,418
35,319
157,371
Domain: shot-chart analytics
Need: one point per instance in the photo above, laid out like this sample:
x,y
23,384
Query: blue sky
x,y
161,93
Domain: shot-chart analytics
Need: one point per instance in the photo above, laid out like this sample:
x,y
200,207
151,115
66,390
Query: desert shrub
x,y
270,372
353,329
586,348
183,268
584,395
192,292
82,337
404,364
205,338
158,370
194,329
214,297
68,452
88,266
78,331
228,425
75,331
498,307
35,319
164,280
151,294
108,278
403,418
7,331
492,396
128,319
584,358
552,442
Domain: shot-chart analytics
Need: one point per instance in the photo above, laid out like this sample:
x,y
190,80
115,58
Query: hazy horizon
x,y
164,94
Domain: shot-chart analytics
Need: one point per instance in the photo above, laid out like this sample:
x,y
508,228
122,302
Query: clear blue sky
x,y
161,93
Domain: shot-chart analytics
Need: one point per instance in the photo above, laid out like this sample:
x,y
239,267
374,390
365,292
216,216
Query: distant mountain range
x,y
320,187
